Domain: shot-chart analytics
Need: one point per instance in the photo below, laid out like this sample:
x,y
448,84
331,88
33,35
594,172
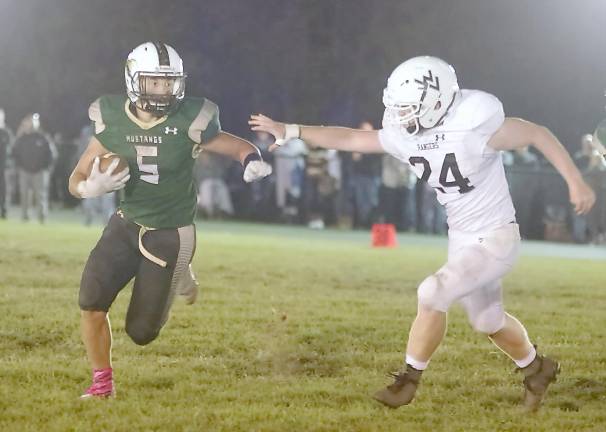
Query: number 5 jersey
x,y
161,192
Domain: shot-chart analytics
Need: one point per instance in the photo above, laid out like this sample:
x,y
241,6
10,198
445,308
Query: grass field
x,y
293,332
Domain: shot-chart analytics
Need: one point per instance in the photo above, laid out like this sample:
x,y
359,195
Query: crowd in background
x,y
314,187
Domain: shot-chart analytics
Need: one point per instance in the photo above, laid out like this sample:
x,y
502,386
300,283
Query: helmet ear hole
x,y
438,105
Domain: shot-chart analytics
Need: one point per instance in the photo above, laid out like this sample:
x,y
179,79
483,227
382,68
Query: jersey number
x,y
149,171
449,165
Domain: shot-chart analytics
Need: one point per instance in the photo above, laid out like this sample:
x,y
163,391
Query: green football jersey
x,y
161,192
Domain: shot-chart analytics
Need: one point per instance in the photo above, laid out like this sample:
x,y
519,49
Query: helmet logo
x,y
168,130
429,81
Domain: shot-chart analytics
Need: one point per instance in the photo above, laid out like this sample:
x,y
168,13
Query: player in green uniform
x,y
151,238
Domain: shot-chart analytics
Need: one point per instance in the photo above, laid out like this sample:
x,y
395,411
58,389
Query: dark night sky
x,y
312,61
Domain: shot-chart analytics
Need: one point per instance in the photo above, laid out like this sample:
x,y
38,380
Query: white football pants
x,y
472,275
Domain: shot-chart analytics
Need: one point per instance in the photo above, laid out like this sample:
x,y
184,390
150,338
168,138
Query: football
x,y
106,159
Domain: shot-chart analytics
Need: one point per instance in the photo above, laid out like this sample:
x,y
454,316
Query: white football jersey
x,y
467,175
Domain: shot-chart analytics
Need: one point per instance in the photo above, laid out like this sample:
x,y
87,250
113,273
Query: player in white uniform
x,y
452,138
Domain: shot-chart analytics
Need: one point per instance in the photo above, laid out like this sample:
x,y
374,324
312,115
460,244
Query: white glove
x,y
99,183
256,170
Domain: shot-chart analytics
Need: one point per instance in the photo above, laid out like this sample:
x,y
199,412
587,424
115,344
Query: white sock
x,y
522,363
418,365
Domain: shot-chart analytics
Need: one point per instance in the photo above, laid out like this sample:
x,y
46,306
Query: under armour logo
x,y
168,130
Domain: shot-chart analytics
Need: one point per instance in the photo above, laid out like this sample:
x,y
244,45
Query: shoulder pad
x,y
94,113
208,113
478,111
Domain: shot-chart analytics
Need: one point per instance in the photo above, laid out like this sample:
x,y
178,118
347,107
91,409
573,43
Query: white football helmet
x,y
413,91
157,60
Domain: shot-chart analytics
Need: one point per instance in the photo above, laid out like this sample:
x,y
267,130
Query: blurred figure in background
x,y
214,199
289,166
397,193
592,226
318,201
34,154
101,207
599,138
521,166
66,160
365,181
6,139
430,215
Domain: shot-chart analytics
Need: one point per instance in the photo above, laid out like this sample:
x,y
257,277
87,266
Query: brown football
x,y
106,159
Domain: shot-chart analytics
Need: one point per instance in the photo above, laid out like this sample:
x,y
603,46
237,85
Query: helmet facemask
x,y
404,115
154,101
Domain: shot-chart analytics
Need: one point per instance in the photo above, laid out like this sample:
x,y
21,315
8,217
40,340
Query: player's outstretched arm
x,y
83,185
243,151
329,137
517,133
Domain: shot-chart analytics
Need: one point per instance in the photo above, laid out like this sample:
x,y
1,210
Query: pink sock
x,y
102,375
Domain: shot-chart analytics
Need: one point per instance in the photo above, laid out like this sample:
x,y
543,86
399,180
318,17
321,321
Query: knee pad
x,y
141,334
430,294
488,321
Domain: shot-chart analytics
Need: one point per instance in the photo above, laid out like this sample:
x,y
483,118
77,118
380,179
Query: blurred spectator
x,y
213,195
318,205
289,166
397,193
521,169
101,207
592,226
67,153
34,154
6,139
365,181
430,214
239,190
588,157
519,157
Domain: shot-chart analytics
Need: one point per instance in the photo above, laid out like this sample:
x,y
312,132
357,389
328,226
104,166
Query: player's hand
x,y
582,197
256,170
260,122
99,183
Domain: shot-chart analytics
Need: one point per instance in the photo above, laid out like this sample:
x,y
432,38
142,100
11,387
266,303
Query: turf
x,y
294,331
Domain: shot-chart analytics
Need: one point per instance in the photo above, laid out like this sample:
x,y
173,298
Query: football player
x,y
452,138
151,238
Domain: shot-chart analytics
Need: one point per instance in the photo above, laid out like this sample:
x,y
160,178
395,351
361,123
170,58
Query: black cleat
x,y
538,375
403,389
